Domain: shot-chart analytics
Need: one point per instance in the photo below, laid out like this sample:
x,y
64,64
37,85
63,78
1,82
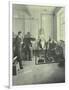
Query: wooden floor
x,y
39,74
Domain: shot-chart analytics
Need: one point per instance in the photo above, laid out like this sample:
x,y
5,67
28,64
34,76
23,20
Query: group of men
x,y
21,45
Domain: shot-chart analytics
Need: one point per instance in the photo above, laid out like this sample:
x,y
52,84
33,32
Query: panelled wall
x,y
25,24
33,25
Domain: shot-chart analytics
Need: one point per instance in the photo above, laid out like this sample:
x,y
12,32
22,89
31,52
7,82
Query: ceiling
x,y
31,10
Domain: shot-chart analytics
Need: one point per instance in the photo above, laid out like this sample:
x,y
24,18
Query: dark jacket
x,y
18,47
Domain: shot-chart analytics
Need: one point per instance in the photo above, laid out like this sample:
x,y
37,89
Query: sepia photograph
x,y
38,44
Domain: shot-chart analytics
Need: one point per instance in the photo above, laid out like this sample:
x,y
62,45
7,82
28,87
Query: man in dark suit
x,y
27,45
18,49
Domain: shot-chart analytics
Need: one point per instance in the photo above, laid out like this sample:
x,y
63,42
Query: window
x,y
60,25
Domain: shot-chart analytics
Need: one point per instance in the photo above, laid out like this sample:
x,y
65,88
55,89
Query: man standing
x,y
18,49
28,44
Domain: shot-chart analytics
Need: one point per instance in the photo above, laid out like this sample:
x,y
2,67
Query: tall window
x,y
47,25
61,24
